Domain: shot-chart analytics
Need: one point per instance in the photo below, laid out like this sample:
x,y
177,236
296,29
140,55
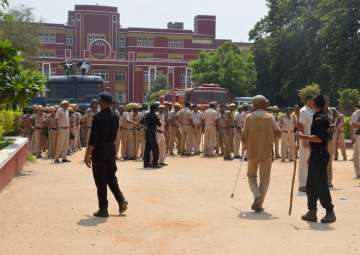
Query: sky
x,y
235,18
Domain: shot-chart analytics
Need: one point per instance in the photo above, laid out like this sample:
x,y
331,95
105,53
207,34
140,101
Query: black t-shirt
x,y
151,122
104,129
320,127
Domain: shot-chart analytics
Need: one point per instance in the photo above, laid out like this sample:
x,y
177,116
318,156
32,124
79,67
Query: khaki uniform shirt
x,y
173,120
162,121
185,116
287,124
210,116
237,120
89,114
39,120
62,117
51,122
222,120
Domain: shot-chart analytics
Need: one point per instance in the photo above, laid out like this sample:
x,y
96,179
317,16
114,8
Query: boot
x,y
101,213
329,217
256,206
123,207
310,216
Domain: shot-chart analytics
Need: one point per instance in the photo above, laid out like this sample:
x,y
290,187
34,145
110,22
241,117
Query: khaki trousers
x,y
52,143
197,132
277,142
230,138
118,141
160,138
38,141
140,142
174,133
264,167
357,155
237,141
339,143
209,140
62,143
130,143
288,145
77,138
88,133
186,139
224,142
330,147
304,155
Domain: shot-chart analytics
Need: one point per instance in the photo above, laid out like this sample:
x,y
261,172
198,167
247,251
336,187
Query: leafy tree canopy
x,y
348,99
228,66
309,90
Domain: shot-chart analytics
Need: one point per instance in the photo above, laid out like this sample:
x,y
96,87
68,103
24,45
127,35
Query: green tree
x,y
22,29
300,42
309,90
348,99
228,66
17,84
160,83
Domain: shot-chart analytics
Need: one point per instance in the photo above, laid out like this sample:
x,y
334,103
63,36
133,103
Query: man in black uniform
x,y
151,122
317,182
100,155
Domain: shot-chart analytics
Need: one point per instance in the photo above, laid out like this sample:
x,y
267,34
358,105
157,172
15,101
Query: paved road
x,y
182,209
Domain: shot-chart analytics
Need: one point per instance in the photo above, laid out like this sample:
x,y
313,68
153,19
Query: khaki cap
x,y
64,102
161,106
260,101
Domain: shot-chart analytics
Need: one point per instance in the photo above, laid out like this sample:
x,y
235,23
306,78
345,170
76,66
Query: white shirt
x,y
238,119
196,118
306,118
210,116
162,121
355,117
259,113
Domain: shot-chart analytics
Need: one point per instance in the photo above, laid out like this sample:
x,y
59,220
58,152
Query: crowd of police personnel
x,y
215,130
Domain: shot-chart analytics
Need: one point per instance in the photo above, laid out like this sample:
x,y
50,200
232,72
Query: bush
x,y
348,99
312,89
347,128
9,122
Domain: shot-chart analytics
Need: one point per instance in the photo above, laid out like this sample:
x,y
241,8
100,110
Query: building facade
x,y
128,59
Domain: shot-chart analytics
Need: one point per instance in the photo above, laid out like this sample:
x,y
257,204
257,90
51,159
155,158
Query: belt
x,y
231,126
38,128
89,127
55,129
63,127
287,131
186,124
159,131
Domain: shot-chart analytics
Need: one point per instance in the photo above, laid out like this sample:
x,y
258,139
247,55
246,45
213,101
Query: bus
x,y
79,89
203,94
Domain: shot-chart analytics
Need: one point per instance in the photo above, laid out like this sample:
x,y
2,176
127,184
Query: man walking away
x,y
100,155
259,133
287,126
210,117
317,182
160,136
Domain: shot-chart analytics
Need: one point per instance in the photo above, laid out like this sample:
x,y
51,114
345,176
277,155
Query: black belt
x,y
64,127
159,131
287,131
55,129
38,128
231,126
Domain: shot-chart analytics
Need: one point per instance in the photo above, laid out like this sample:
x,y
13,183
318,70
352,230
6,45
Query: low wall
x,y
12,160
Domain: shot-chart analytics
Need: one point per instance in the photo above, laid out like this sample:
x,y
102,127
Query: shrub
x,y
347,128
348,99
9,122
312,89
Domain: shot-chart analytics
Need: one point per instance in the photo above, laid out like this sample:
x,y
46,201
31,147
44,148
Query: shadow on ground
x,y
91,221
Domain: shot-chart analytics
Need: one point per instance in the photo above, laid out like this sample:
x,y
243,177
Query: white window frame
x,y
103,74
144,42
69,39
176,43
117,74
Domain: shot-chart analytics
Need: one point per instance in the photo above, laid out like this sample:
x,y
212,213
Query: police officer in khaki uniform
x,y
160,137
210,117
237,135
174,130
339,138
39,122
287,126
62,142
52,125
185,118
260,130
120,133
129,130
223,133
230,125
276,111
72,120
197,129
88,117
77,127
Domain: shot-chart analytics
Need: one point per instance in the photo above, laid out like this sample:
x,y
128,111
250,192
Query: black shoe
x,y
123,207
329,217
101,213
259,210
302,189
147,166
310,216
331,185
228,158
157,166
38,156
237,157
65,161
163,164
56,161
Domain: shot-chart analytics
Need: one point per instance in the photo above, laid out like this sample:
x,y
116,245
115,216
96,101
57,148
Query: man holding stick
x,y
317,182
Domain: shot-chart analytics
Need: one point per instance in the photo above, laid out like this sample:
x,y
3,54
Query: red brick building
x,y
127,58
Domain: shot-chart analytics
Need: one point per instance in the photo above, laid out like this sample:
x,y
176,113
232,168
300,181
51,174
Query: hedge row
x,y
9,121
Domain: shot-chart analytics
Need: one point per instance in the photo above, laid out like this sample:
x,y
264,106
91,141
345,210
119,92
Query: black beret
x,y
105,97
